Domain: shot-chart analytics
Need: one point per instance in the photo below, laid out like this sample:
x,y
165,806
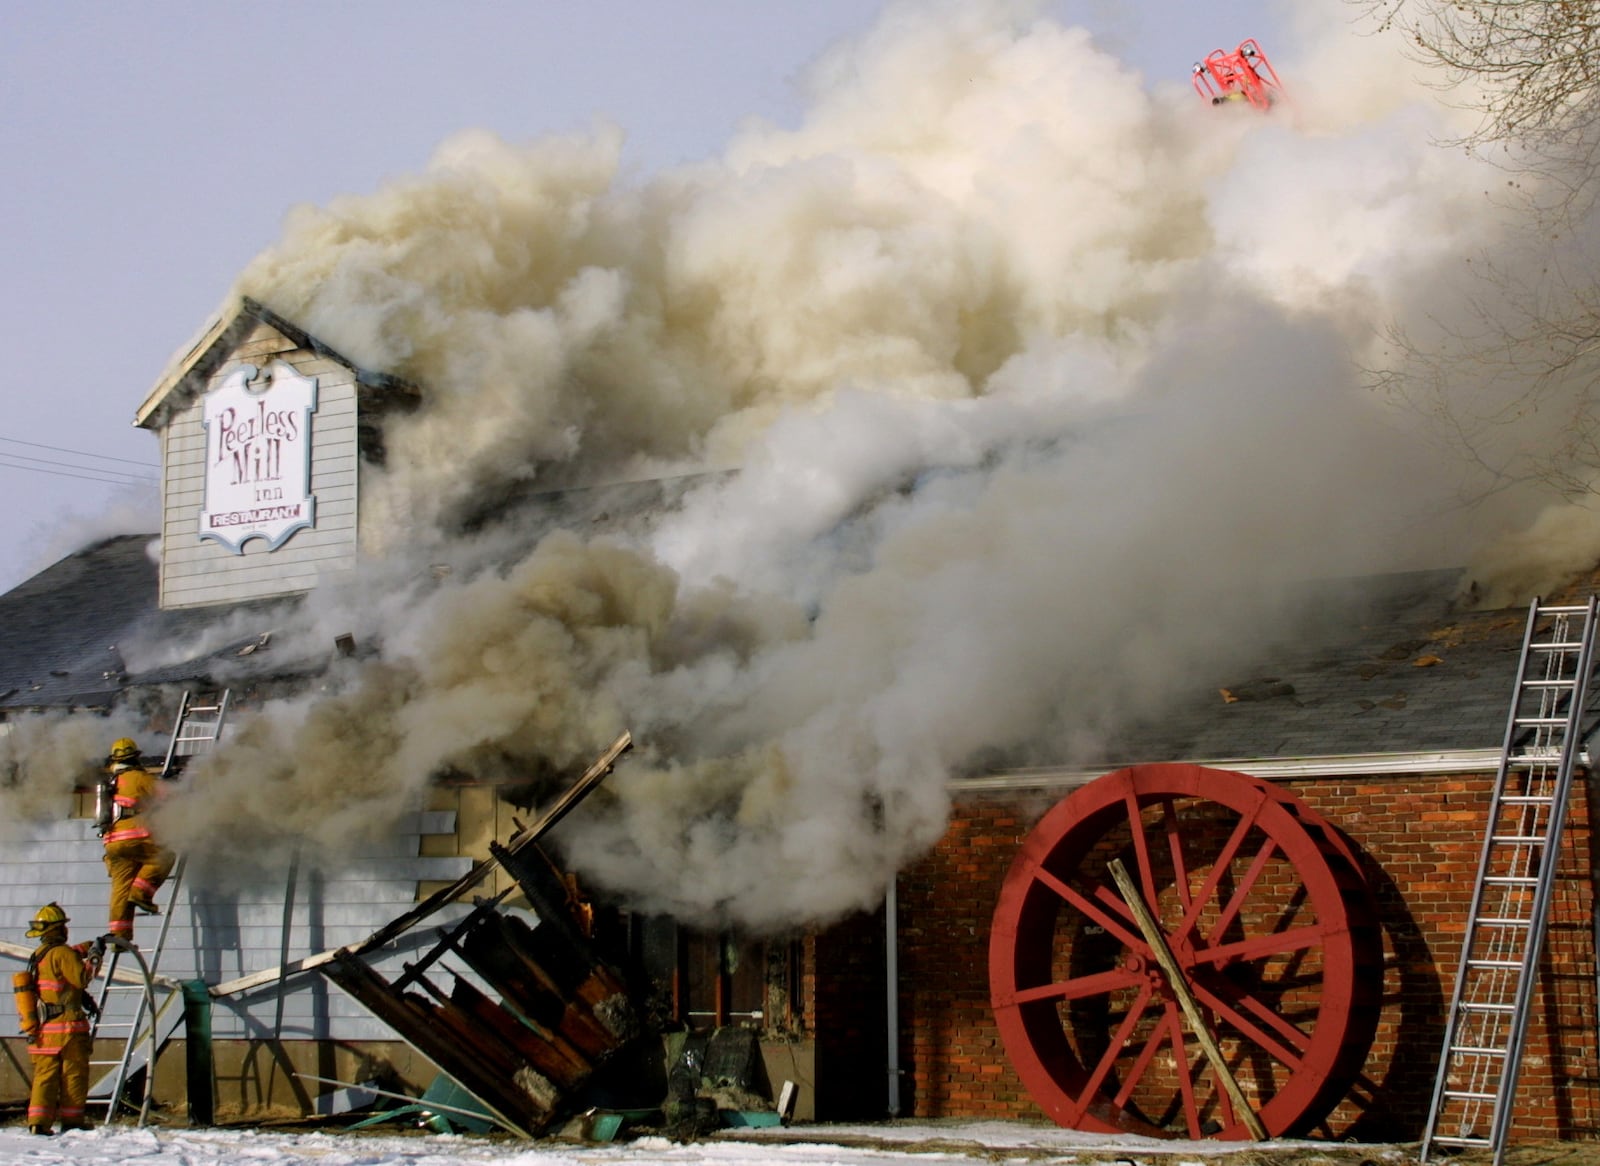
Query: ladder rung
x,y
1546,708
1563,609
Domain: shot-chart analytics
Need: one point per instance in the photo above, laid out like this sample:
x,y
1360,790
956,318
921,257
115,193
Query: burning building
x,y
886,480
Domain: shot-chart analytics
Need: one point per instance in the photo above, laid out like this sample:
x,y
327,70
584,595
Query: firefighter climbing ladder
x,y
129,1010
1488,1019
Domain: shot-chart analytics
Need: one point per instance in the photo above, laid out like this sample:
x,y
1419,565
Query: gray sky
x,y
154,149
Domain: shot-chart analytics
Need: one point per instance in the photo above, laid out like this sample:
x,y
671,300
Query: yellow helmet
x,y
50,915
124,749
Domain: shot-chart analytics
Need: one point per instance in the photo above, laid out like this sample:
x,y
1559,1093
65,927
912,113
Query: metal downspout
x,y
891,948
199,1064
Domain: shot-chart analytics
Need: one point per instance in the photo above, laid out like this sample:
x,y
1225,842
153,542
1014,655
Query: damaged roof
x,y
62,632
1386,673
1388,664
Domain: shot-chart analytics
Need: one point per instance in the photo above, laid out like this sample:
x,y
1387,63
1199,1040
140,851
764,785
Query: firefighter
x,y
55,1016
136,862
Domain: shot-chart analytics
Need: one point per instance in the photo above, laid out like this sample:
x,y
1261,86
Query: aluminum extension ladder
x,y
1487,1024
142,1025
195,731
128,1008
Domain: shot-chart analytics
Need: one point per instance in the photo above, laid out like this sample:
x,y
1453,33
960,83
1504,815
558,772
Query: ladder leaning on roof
x,y
1487,1024
128,1009
195,731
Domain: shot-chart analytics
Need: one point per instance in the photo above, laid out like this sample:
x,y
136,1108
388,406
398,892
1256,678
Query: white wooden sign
x,y
258,457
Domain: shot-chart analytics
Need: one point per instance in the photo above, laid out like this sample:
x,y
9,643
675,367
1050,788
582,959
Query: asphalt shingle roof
x,y
1388,666
60,630
1391,666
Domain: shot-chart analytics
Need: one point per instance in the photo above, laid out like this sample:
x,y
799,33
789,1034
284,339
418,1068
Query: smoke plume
x,y
45,757
1038,385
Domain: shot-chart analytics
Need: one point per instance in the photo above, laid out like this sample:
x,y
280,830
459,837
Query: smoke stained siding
x,y
198,571
218,937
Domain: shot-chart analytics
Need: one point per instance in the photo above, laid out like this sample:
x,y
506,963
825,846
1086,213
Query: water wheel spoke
x,y
1281,1020
1244,1026
1141,847
1180,869
1081,987
1130,1080
1219,867
1185,1072
1113,1051
1091,910
1258,947
1241,892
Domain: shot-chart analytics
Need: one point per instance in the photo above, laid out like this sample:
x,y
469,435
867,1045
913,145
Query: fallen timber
x,y
561,1011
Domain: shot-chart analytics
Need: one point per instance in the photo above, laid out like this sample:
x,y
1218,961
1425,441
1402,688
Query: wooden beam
x,y
1180,988
121,975
258,979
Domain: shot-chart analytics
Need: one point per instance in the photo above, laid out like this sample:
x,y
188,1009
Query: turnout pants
x,y
137,867
60,1080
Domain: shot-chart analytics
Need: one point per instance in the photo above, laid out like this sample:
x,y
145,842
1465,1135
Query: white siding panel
x,y
218,934
257,562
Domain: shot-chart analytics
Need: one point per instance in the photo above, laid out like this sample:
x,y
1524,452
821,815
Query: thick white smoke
x,y
1042,386
45,757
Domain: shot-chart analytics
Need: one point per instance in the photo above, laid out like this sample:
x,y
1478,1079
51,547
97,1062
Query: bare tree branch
x,y
1523,358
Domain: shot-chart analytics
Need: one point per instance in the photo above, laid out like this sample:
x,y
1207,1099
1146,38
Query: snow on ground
x,y
978,1144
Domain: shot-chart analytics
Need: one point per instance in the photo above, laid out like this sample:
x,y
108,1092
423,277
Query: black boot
x,y
41,1131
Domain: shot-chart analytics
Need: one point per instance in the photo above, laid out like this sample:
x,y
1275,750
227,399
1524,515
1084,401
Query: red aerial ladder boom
x,y
1242,75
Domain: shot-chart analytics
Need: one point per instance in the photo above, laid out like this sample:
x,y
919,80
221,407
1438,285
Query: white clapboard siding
x,y
219,934
196,571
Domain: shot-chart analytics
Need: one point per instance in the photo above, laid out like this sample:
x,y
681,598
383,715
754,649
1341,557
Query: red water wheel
x,y
1269,923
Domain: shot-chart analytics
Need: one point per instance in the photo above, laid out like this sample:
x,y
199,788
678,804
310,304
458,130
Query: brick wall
x,y
1419,838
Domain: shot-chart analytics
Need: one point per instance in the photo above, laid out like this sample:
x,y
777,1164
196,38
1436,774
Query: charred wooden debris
x,y
536,1013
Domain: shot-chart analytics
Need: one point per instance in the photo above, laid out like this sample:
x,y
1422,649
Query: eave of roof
x,y
1437,763
188,370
